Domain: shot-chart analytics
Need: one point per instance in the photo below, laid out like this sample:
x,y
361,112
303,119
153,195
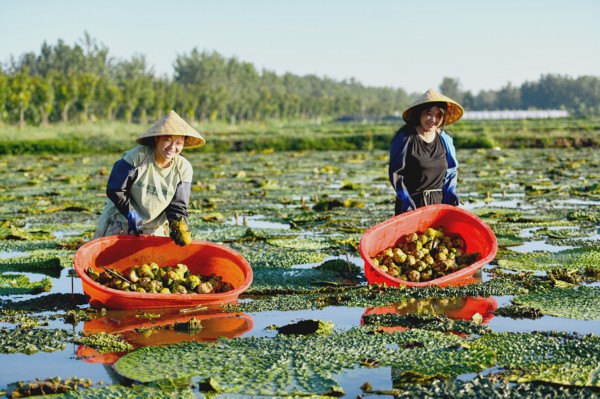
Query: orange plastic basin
x,y
477,235
124,251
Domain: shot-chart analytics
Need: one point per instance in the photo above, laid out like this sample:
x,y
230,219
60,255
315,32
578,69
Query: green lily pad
x,y
12,284
574,303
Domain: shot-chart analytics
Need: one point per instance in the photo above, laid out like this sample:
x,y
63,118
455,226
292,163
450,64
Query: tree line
x,y
82,82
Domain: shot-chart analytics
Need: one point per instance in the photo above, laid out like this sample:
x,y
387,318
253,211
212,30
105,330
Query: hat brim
x,y
454,110
173,125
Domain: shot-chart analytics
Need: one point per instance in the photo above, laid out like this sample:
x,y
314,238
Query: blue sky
x,y
412,44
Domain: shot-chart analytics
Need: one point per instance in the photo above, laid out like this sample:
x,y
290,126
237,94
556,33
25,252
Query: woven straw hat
x,y
453,113
172,124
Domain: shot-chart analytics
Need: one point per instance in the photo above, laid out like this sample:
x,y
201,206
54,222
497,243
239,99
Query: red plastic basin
x,y
124,251
477,235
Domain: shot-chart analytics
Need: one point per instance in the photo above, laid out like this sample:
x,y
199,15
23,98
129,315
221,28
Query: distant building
x,y
470,115
516,114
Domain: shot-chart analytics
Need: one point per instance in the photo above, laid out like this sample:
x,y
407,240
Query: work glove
x,y
404,203
134,223
179,232
451,197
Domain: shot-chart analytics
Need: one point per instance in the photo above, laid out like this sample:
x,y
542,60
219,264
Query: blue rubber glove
x,y
134,223
451,197
407,204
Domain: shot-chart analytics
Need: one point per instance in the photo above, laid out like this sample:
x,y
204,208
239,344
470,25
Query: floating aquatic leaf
x,y
32,340
574,303
519,312
105,343
289,365
578,258
559,358
12,284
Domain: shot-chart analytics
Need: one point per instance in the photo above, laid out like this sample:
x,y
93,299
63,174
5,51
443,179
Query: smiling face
x,y
431,118
167,147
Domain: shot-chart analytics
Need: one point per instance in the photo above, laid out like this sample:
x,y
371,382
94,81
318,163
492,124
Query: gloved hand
x,y
179,232
404,203
134,223
451,197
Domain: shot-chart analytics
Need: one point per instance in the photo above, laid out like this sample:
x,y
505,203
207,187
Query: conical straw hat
x,y
454,112
173,124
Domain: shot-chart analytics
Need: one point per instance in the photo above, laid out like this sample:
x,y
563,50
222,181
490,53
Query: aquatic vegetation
x,y
247,202
105,343
12,284
484,387
306,327
341,266
426,322
50,266
288,365
50,302
128,392
49,386
302,365
262,255
578,258
566,359
32,340
284,280
575,303
519,312
179,232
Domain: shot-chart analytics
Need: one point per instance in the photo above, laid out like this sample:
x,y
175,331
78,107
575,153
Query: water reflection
x,y
162,328
453,308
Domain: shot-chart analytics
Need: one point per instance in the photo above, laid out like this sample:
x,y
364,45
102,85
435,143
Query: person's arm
x,y
119,185
178,206
396,166
177,210
118,190
450,196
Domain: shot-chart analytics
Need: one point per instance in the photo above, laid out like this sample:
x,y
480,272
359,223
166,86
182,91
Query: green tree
x,y
109,97
20,93
88,83
66,90
3,96
43,97
131,76
451,87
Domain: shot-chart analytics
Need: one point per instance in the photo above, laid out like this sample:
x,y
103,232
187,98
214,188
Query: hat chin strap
x,y
444,122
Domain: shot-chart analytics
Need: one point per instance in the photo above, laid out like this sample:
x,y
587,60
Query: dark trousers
x,y
421,199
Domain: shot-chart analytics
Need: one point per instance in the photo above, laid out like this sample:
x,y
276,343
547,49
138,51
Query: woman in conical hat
x,y
423,165
149,188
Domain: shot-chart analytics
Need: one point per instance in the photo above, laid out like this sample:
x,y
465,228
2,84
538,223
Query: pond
x,y
303,209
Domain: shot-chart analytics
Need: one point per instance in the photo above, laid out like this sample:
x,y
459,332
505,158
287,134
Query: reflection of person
x,y
423,165
149,188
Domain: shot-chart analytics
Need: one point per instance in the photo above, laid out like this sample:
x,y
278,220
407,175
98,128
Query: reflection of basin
x,y
453,308
144,331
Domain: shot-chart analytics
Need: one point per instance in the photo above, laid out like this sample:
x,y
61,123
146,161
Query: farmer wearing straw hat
x,y
423,165
149,188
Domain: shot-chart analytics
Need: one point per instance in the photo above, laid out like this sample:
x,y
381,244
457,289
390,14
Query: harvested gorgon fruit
x,y
163,280
425,256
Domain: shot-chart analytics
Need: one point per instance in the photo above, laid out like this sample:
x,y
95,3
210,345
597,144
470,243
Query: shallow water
x,y
66,363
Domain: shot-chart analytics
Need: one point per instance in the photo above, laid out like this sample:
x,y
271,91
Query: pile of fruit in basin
x,y
163,280
424,256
